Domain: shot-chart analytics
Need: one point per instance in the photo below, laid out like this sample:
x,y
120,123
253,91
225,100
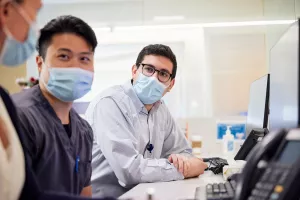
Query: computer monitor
x,y
284,82
257,118
258,107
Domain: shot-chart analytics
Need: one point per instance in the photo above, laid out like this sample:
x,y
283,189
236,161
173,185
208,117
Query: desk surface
x,y
184,189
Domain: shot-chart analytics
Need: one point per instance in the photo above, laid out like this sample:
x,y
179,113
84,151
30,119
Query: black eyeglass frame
x,y
155,70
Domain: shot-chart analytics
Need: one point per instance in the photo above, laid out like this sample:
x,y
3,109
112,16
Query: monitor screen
x,y
258,105
284,82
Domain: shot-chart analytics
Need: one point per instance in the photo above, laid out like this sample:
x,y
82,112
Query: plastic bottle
x,y
228,142
239,142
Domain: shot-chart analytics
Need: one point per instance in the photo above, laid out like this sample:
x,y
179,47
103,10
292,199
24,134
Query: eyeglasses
x,y
162,75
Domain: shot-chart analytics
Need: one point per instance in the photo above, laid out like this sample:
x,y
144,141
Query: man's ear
x,y
171,85
39,62
3,14
134,70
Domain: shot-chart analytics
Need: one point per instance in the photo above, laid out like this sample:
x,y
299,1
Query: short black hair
x,y
65,24
158,50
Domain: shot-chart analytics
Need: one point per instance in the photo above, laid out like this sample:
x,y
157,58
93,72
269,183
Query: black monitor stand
x,y
255,136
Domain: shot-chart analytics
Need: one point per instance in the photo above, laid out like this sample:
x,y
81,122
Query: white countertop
x,y
179,190
184,189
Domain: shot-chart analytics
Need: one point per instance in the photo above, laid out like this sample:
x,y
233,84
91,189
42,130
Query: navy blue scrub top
x,y
61,163
31,189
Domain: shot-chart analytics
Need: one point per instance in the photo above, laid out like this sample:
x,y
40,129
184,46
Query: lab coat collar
x,y
128,88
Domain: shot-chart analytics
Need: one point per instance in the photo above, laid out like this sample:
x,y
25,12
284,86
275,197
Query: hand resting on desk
x,y
188,166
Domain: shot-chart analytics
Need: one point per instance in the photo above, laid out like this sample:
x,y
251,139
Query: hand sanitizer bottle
x,y
228,142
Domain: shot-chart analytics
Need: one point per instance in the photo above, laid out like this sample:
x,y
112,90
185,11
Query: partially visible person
x,y
136,140
18,36
57,140
12,173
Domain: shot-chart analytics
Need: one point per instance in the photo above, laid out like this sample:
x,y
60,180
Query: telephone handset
x,y
272,169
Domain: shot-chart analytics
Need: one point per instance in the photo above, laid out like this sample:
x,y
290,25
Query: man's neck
x,y
62,109
149,107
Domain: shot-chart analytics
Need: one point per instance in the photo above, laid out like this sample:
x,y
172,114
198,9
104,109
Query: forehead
x,y
160,62
69,41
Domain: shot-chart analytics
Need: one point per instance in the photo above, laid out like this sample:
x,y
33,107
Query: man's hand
x,y
86,192
188,166
180,162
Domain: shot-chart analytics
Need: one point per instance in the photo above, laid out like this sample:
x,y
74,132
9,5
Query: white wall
x,y
236,60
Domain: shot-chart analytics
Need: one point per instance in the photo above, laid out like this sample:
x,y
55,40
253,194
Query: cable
x,y
218,163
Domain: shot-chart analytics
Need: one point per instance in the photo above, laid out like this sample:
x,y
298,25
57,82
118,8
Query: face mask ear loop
x,y
44,65
4,48
22,12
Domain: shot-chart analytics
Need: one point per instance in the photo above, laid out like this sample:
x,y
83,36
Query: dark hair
x,y
158,50
65,24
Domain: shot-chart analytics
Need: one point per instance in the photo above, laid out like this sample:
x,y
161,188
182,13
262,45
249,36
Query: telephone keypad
x,y
270,185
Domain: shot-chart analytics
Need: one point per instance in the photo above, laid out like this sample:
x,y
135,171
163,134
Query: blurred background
x,y
222,46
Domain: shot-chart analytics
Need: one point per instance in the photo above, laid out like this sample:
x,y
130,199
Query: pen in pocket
x,y
77,164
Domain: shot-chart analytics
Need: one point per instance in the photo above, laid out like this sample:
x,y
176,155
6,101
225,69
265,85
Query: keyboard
x,y
218,191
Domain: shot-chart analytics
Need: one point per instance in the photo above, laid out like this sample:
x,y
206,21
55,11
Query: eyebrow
x,y
87,53
65,49
69,51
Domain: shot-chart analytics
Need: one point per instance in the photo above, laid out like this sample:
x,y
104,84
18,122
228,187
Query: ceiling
x,y
112,13
82,1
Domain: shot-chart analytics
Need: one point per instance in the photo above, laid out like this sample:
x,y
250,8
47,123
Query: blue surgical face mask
x,y
69,84
148,89
15,52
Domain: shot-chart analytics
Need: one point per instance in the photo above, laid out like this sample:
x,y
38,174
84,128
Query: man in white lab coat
x,y
136,140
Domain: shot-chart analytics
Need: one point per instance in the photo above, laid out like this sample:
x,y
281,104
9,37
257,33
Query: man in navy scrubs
x,y
57,140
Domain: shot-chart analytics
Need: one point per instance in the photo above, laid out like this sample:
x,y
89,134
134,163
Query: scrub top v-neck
x,y
60,160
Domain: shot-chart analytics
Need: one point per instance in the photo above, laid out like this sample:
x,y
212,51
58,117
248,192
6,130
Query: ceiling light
x,y
205,25
248,23
168,18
